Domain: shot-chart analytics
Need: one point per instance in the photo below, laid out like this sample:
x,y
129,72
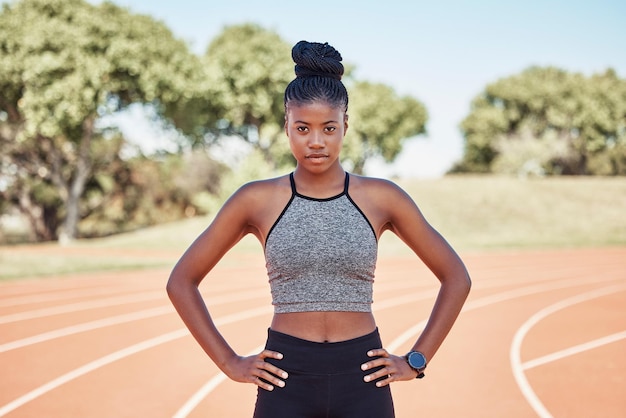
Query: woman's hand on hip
x,y
254,369
393,368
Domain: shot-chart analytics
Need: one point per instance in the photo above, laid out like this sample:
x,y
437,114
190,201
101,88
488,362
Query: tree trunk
x,y
40,230
69,228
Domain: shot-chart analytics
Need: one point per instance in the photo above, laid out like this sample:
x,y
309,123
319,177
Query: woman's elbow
x,y
175,285
468,283
171,287
464,283
460,281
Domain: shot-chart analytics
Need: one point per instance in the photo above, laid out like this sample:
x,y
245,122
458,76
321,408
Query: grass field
x,y
474,213
500,212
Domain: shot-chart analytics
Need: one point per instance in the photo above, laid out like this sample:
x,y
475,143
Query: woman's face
x,y
315,132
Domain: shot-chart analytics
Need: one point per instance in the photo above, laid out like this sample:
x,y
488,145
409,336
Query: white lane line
x,y
120,319
118,355
81,306
60,295
206,389
86,326
515,351
106,302
590,345
412,332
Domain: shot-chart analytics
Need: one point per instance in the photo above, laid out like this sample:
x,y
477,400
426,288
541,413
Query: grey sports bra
x,y
321,255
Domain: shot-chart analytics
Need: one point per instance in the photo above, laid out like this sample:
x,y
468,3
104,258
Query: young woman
x,y
319,227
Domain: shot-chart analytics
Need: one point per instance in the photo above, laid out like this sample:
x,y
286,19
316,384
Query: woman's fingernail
x,y
363,366
285,375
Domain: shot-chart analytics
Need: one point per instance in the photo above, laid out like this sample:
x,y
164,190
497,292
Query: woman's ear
x,y
345,123
285,126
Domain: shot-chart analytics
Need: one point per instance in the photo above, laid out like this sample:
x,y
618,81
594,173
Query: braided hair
x,y
318,76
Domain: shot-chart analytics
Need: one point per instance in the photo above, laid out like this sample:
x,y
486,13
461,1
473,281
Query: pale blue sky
x,y
441,52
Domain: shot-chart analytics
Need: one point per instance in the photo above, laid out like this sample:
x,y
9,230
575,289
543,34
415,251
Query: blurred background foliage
x,y
548,121
67,65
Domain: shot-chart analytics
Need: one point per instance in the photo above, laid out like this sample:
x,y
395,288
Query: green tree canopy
x,y
379,123
549,120
64,64
248,68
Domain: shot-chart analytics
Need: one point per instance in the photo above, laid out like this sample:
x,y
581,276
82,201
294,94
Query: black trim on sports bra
x,y
294,193
317,199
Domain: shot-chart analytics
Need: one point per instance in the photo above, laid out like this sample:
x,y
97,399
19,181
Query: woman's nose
x,y
316,140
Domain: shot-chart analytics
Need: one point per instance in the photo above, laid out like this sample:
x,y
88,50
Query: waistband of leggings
x,y
322,357
286,338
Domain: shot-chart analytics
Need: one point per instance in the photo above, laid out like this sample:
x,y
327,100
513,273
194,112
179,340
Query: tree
x,y
64,64
379,123
129,194
546,118
249,68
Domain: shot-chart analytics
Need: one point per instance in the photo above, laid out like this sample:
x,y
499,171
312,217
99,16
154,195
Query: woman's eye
x,y
302,128
330,128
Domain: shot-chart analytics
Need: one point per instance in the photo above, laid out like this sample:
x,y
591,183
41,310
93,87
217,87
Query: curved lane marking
x,y
412,332
589,345
515,352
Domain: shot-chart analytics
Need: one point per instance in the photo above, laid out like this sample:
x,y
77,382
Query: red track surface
x,y
542,334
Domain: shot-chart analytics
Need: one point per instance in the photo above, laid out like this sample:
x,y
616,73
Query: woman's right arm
x,y
229,226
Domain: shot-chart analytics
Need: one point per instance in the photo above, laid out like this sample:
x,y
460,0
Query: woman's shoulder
x,y
268,184
383,194
269,188
374,185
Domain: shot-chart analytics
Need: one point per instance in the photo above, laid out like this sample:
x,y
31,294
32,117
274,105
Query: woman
x,y
319,227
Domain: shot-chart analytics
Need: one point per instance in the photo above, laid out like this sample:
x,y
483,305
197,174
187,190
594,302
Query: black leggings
x,y
325,380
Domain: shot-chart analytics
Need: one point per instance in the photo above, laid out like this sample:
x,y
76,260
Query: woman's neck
x,y
325,184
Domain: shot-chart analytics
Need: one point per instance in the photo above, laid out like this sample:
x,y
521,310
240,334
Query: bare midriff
x,y
324,326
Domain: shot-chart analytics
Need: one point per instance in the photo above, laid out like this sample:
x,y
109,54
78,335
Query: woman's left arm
x,y
411,226
407,222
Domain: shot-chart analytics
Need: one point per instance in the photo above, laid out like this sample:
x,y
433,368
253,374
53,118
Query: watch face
x,y
417,360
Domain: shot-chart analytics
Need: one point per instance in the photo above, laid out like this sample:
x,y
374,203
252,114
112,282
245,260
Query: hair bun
x,y
317,59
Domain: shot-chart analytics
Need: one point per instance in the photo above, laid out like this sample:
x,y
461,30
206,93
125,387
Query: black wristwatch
x,y
417,361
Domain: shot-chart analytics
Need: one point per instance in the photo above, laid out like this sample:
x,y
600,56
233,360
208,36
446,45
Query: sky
x,y
443,52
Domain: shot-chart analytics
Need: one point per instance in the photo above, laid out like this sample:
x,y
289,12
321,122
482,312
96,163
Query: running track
x,y
543,334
